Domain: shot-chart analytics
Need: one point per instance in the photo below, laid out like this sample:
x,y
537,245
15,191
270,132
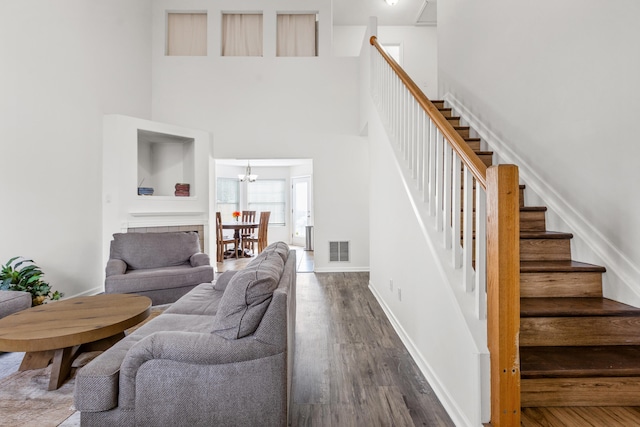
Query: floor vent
x,y
338,251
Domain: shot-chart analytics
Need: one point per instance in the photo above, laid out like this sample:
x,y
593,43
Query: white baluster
x,y
456,211
446,194
481,253
467,232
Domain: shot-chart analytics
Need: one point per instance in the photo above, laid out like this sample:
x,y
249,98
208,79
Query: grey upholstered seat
x,y
162,266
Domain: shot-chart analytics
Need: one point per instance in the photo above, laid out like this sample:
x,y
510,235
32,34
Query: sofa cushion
x,y
223,280
153,250
247,296
150,279
204,299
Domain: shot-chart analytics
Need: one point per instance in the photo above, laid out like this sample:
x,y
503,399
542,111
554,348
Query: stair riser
x,y
474,145
487,159
545,250
571,331
527,223
454,121
560,284
464,132
616,391
532,221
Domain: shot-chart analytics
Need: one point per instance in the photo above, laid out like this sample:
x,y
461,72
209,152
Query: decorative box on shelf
x,y
182,190
145,191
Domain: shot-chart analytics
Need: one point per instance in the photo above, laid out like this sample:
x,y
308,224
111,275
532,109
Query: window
x,y
296,35
187,34
228,197
268,195
241,34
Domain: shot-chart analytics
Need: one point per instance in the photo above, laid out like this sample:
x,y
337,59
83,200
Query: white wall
x,y
558,83
407,257
419,45
268,107
64,64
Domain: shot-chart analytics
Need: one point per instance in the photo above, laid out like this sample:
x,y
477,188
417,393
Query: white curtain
x,y
187,34
296,35
241,34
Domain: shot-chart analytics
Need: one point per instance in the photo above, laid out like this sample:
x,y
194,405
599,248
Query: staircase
x,y
579,351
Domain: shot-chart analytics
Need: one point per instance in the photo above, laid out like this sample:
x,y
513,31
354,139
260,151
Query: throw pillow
x,y
223,280
247,298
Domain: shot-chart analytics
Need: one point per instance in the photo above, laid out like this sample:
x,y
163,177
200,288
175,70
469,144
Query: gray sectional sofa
x,y
161,266
13,301
222,355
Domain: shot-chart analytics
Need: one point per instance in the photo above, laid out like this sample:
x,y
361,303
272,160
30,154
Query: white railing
x,y
446,182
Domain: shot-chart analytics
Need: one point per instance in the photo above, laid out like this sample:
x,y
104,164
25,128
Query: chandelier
x,y
247,175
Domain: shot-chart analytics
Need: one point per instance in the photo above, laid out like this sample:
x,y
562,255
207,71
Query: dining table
x,y
236,226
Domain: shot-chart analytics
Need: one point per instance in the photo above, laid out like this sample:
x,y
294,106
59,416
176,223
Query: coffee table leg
x,y
36,360
61,367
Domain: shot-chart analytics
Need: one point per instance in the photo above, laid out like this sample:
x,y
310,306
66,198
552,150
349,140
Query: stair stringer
x,y
588,244
462,302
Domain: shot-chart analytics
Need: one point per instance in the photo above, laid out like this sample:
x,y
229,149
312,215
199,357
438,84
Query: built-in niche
x,y
165,164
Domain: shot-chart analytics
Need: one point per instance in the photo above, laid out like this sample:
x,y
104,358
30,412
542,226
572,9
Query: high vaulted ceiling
x,y
405,12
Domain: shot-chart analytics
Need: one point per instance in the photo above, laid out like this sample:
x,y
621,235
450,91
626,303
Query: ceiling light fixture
x,y
247,176
391,2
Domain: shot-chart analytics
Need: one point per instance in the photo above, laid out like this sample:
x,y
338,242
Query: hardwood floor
x,y
351,369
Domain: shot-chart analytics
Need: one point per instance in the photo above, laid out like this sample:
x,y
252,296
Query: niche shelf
x,y
165,160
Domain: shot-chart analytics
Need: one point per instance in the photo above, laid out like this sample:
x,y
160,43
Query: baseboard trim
x,y
93,291
457,416
616,262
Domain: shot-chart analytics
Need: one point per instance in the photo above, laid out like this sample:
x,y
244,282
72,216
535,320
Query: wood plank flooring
x,y
351,369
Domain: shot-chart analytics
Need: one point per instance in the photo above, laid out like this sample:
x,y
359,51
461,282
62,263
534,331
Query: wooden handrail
x,y
466,154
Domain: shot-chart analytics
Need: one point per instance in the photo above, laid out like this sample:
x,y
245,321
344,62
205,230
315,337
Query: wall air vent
x,y
338,251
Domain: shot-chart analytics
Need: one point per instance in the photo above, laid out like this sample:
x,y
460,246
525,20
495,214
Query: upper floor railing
x,y
476,209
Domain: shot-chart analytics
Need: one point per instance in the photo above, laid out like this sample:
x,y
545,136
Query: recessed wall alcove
x,y
165,160
144,153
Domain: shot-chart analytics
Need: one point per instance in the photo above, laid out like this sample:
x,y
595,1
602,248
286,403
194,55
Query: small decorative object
x,y
236,215
182,190
15,277
145,191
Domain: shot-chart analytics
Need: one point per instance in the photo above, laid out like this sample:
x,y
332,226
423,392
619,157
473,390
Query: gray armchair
x,y
162,266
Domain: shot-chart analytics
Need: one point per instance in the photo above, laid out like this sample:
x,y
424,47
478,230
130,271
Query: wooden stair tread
x,y
580,361
533,208
574,307
545,235
559,267
484,153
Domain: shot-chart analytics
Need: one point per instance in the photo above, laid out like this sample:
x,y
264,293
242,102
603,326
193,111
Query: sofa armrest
x,y
188,348
199,259
116,266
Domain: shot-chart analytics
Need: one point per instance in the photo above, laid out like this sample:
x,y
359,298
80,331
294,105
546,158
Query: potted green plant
x,y
20,274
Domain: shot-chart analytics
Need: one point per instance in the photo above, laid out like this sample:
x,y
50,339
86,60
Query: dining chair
x,y
261,237
245,233
222,241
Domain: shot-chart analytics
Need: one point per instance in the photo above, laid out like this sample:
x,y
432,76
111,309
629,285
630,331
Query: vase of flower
x,y
236,215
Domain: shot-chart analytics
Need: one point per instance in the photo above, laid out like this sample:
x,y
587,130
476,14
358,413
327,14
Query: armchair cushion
x,y
247,296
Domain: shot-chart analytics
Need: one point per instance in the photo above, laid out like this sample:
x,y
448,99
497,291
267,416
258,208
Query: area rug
x,y
26,402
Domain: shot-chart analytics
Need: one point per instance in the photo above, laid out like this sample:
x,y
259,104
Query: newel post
x,y
503,293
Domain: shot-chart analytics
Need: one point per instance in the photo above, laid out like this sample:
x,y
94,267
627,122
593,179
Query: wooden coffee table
x,y
60,330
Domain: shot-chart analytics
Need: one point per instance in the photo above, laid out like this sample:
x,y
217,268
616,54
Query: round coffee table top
x,y
71,322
